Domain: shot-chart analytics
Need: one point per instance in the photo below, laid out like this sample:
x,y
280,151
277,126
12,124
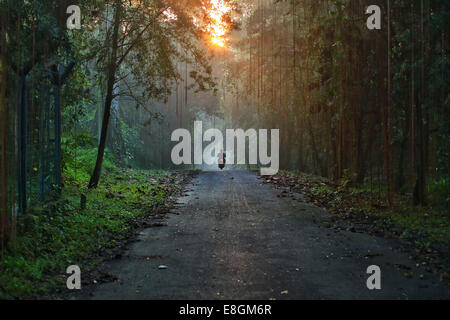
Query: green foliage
x,y
423,225
79,155
58,233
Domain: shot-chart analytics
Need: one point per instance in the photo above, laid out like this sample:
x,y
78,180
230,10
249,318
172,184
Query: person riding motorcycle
x,y
222,159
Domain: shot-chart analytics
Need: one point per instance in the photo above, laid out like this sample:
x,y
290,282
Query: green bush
x,y
79,157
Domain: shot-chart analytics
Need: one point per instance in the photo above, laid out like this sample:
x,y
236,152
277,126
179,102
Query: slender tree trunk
x,y
413,106
419,190
99,113
112,69
57,101
59,78
401,161
388,118
21,139
43,142
3,134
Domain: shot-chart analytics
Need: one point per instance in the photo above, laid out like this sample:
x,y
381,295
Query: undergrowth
x,y
61,232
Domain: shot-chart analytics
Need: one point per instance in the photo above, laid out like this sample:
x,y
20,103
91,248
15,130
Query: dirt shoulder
x,y
424,232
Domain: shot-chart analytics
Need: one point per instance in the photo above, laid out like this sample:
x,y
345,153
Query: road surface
x,y
234,238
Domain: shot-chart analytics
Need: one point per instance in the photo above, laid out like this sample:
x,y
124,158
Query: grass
x,y
433,224
58,233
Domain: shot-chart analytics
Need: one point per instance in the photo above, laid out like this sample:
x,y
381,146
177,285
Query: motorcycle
x,y
222,160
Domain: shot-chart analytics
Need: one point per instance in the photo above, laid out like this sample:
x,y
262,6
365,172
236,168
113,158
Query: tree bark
x,y
419,189
112,69
21,137
388,118
58,81
3,135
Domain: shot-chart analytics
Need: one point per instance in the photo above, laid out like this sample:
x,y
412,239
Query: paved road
x,y
235,239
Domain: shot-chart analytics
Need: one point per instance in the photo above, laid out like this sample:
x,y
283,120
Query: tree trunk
x,y
388,118
21,143
93,183
57,101
419,189
413,107
58,81
3,135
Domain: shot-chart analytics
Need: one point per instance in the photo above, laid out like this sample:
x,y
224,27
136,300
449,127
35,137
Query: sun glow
x,y
218,42
169,15
218,28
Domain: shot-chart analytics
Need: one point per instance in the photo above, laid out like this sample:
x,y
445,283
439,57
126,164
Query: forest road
x,y
233,238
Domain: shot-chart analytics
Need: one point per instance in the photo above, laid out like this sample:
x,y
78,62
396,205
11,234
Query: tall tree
x,y
3,128
144,42
388,114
